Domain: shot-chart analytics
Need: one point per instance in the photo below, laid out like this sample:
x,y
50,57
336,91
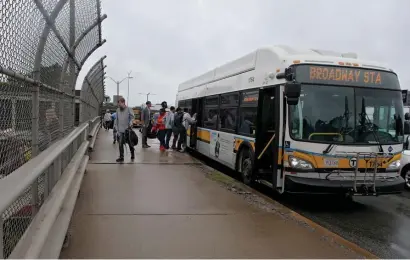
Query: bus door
x,y
267,137
196,108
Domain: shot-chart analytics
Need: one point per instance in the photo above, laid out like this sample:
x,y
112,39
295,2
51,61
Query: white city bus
x,y
301,121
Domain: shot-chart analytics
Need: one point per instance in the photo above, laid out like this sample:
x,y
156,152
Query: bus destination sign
x,y
346,76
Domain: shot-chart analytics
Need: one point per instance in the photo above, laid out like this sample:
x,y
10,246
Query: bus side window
x,y
248,113
247,120
211,118
211,112
181,104
188,104
229,111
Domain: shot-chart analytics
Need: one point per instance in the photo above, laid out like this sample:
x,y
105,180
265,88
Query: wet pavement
x,y
163,205
381,225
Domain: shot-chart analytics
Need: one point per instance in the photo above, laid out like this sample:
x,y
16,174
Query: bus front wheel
x,y
246,168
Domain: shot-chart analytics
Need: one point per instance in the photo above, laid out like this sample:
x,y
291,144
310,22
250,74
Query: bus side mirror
x,y
292,93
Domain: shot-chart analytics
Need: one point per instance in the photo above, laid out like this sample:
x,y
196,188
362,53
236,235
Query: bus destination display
x,y
346,76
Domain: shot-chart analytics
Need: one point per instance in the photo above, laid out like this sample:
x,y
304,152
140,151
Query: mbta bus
x,y
301,121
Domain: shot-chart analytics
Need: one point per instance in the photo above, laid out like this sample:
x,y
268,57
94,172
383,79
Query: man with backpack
x,y
123,122
187,120
182,121
177,127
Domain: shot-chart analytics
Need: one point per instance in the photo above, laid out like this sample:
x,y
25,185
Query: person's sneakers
x,y
113,142
132,156
145,146
162,148
120,159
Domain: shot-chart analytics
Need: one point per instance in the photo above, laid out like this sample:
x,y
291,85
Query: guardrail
x,y
35,225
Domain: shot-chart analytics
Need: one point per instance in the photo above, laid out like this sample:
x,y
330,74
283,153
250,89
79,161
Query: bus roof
x,y
259,68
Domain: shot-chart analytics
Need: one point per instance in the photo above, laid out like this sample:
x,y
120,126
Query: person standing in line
x,y
177,126
160,125
107,120
187,120
146,119
114,129
169,125
122,123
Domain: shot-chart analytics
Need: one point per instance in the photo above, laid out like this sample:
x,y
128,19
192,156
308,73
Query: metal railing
x,y
59,169
43,47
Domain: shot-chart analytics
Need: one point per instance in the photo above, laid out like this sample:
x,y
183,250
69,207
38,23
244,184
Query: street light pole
x,y
128,94
147,94
118,84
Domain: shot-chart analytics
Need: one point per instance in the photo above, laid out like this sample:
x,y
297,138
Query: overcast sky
x,y
165,42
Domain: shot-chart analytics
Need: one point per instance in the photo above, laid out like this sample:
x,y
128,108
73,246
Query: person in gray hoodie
x,y
169,123
122,122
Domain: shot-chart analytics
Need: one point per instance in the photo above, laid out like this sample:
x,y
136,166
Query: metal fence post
x,y
13,114
72,61
1,237
35,110
61,117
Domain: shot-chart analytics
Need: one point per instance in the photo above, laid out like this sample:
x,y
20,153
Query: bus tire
x,y
405,175
246,166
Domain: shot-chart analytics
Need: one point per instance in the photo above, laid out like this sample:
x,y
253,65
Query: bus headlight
x,y
299,163
394,165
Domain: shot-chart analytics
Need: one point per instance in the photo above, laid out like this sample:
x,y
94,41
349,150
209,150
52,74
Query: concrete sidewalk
x,y
163,206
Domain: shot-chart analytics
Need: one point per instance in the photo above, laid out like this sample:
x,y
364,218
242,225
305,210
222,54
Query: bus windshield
x,y
347,115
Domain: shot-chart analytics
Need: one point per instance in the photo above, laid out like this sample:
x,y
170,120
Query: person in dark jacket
x,y
176,126
146,119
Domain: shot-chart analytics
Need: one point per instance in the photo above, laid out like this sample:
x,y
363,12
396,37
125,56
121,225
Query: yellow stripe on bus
x,y
318,161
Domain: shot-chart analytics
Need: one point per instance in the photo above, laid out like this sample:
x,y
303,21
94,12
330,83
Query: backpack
x,y
132,139
178,120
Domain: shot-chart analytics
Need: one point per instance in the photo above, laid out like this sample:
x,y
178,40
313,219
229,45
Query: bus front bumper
x,y
296,184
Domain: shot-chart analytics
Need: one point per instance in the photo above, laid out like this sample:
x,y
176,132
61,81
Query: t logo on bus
x,y
353,162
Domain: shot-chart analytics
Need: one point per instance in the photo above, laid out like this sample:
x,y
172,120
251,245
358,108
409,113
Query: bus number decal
x,y
331,162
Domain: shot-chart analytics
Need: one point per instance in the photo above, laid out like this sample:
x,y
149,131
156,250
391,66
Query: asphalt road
x,y
380,225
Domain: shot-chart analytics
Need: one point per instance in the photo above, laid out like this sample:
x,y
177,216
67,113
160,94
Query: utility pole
x,y
118,84
128,94
147,94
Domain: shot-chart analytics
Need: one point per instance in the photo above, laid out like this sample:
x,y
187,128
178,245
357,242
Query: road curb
x,y
220,177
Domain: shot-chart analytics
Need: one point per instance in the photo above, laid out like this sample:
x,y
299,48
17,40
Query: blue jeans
x,y
161,137
168,134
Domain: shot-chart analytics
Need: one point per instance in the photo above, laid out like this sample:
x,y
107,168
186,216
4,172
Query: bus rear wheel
x,y
246,168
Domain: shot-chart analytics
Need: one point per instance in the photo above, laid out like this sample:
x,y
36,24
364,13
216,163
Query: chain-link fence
x,y
43,46
92,92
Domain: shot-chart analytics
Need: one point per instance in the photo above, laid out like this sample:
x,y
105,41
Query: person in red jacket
x,y
160,126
